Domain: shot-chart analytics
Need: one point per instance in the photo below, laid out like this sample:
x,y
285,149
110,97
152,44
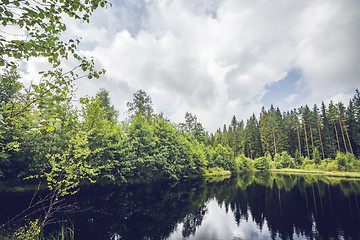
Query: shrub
x,y
316,156
244,163
262,163
277,160
347,162
332,166
286,160
341,161
305,162
298,158
322,166
352,162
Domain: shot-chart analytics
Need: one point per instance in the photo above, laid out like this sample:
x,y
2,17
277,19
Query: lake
x,y
265,206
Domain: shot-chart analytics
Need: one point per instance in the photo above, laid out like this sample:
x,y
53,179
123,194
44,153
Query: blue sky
x,y
285,92
219,58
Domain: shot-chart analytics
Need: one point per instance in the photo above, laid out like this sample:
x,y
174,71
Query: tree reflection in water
x,y
265,206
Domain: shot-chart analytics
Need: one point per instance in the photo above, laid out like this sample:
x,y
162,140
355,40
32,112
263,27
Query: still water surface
x,y
266,206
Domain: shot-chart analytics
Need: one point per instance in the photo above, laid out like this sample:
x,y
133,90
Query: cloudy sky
x,y
219,58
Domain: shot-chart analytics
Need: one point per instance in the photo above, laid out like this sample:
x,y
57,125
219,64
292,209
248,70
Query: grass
x,y
216,171
318,172
64,232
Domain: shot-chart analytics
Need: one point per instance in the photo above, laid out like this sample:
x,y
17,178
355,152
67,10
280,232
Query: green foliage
x,y
28,232
341,161
300,132
141,105
316,156
224,157
193,127
277,160
298,158
10,127
347,162
110,113
70,168
23,117
262,163
43,23
286,160
244,163
32,231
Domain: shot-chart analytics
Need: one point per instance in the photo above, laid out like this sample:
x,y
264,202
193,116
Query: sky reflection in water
x,y
219,224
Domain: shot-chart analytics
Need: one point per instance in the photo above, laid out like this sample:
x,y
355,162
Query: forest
x,y
43,133
55,136
301,138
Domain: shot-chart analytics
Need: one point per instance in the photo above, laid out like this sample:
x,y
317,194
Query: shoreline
x,y
317,172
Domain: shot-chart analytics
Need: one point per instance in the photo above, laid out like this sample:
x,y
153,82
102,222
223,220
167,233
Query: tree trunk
x,y
347,135
291,148
322,147
297,128
337,138
342,132
307,145
312,141
274,139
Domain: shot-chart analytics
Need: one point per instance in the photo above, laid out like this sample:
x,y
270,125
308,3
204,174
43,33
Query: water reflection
x,y
266,206
244,207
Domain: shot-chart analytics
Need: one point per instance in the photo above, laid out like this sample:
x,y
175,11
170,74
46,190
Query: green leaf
x,y
9,14
50,128
57,125
27,45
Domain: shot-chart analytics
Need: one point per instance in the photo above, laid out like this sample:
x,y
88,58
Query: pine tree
x,y
252,138
110,113
353,122
341,110
240,136
316,118
329,141
305,115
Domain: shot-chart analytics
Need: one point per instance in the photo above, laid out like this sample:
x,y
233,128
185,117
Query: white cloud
x,y
195,62
218,58
291,98
328,50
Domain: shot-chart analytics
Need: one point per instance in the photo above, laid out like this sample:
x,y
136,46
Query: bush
x,y
322,166
262,163
316,156
305,162
244,163
332,166
347,162
224,157
341,161
286,160
277,160
298,158
352,163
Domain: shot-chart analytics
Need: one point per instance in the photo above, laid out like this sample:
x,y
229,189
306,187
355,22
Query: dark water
x,y
244,207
